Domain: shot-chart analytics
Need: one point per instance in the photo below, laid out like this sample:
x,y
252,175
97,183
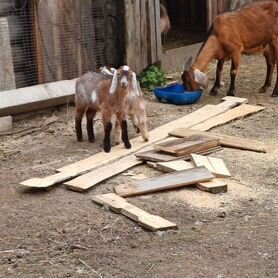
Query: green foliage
x,y
151,78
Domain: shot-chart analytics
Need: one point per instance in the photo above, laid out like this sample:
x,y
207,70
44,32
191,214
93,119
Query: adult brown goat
x,y
250,29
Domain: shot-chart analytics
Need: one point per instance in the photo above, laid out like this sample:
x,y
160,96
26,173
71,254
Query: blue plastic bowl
x,y
176,94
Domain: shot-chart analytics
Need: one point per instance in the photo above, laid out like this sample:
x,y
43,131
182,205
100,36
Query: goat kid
x,y
250,29
95,92
135,110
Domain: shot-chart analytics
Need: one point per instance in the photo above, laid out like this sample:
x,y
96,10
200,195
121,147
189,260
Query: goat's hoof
x,y
91,140
80,139
274,95
107,150
230,94
262,90
128,145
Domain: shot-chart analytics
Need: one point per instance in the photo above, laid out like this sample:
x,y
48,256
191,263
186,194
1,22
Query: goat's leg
x,y
216,86
79,112
118,132
233,73
135,122
125,134
269,58
107,130
275,90
121,117
90,114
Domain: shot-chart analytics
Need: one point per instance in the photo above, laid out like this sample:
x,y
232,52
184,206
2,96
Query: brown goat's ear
x,y
188,63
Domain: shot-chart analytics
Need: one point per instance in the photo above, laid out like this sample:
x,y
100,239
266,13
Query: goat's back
x,y
250,27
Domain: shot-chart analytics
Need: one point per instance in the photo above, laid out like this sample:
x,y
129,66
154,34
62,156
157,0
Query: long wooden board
x,y
214,186
145,219
94,177
165,182
225,140
233,114
101,159
157,156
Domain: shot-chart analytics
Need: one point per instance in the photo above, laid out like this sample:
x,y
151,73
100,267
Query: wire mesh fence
x,y
51,40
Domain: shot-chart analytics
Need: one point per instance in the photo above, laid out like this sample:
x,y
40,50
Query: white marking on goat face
x,y
125,68
114,83
124,80
201,78
94,97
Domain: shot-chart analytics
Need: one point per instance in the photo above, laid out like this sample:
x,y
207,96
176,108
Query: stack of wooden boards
x,y
83,175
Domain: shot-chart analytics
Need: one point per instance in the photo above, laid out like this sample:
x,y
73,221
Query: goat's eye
x,y
130,76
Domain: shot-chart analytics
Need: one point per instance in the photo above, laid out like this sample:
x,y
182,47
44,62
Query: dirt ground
x,y
60,233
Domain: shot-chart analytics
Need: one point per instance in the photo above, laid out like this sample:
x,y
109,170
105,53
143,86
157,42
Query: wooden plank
x,y
7,78
219,166
213,164
225,140
165,182
157,156
36,97
158,31
187,145
152,32
48,181
214,186
145,219
200,160
172,166
233,114
87,181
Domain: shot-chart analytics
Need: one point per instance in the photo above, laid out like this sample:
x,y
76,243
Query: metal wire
x,y
56,40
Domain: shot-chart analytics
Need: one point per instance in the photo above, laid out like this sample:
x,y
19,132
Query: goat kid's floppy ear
x,y
114,83
201,78
188,63
135,84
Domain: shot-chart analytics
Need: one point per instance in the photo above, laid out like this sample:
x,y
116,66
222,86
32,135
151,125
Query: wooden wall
x,y
142,33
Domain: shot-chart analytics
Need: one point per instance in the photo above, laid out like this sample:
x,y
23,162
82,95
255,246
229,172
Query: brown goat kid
x,y
250,29
95,92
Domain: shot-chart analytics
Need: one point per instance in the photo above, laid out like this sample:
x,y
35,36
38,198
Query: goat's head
x,y
192,78
124,78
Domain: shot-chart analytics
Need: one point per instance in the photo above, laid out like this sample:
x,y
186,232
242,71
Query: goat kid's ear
x,y
201,78
135,85
114,83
